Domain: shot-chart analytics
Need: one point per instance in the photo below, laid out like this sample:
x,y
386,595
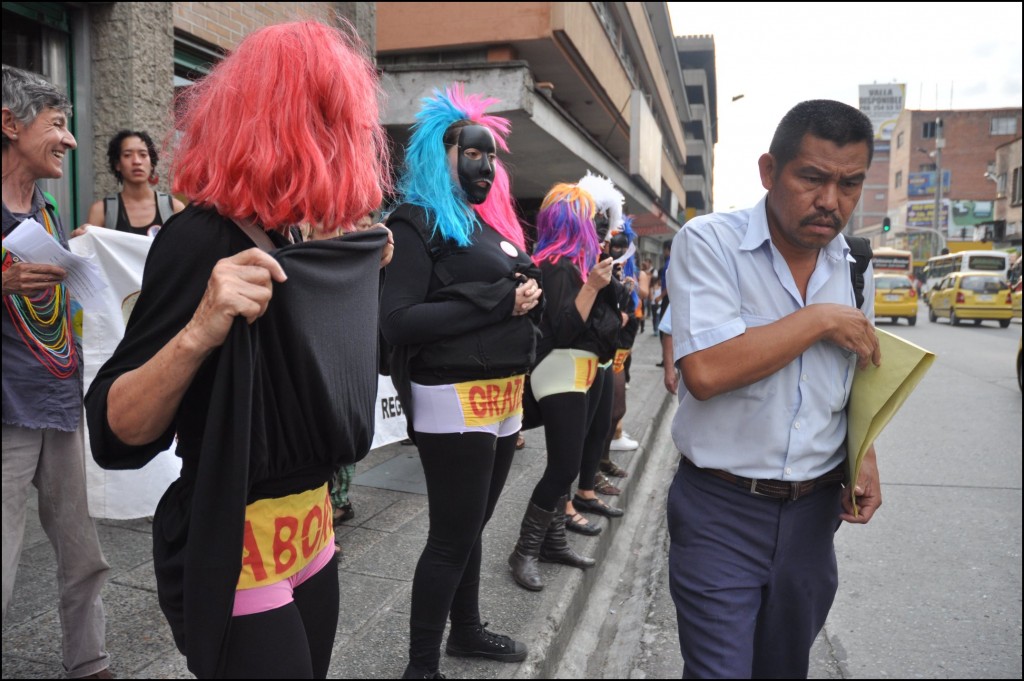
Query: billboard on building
x,y
923,183
882,104
922,214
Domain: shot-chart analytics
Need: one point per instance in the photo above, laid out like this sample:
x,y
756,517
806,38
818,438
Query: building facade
x,y
594,86
587,86
1005,229
121,64
963,144
697,58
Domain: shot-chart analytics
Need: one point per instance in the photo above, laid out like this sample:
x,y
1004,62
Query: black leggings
x,y
465,474
567,417
618,411
291,642
599,425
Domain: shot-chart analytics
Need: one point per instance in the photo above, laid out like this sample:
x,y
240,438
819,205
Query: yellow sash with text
x,y
491,400
619,364
283,535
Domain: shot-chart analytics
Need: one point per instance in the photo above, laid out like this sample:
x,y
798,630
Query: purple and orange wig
x,y
286,131
565,228
426,180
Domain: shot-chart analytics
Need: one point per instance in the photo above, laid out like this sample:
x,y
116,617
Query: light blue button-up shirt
x,y
725,275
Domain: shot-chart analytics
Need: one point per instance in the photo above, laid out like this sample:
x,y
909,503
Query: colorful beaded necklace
x,y
44,323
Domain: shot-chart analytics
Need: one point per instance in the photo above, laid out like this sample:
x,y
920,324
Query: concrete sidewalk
x,y
381,546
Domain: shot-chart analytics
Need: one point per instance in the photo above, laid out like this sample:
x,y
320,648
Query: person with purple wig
x,y
459,306
579,328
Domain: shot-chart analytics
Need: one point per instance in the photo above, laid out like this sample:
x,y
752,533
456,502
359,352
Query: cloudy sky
x,y
950,55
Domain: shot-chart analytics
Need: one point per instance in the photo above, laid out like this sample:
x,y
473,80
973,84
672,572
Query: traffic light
x,y
886,224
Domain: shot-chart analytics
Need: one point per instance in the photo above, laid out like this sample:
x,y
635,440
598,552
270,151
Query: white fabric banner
x,y
122,495
121,258
390,421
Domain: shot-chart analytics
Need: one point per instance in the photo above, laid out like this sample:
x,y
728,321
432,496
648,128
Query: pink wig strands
x,y
497,209
286,131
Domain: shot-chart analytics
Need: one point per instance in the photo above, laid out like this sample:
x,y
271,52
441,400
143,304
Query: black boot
x,y
523,560
479,642
556,549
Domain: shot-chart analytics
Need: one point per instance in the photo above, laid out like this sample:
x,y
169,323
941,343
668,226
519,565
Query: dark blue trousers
x,y
752,578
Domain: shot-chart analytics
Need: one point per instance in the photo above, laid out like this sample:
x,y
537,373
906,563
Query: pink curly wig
x,y
286,131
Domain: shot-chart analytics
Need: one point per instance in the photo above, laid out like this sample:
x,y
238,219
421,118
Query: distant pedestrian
x,y
767,335
137,208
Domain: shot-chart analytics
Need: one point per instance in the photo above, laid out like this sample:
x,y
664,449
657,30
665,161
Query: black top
x,y
563,327
454,304
273,411
125,225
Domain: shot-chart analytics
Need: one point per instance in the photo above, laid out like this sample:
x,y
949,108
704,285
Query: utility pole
x,y
940,142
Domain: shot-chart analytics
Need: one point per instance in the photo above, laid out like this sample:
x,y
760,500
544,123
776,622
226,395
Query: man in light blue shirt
x,y
766,335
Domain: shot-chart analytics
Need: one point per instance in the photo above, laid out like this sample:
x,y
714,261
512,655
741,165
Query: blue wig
x,y
629,268
427,182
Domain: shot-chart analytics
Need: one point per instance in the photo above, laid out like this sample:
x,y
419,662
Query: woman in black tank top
x,y
132,158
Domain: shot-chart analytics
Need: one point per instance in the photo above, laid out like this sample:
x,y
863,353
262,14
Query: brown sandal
x,y
612,469
604,486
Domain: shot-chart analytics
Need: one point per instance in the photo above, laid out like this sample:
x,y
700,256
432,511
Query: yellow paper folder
x,y
878,393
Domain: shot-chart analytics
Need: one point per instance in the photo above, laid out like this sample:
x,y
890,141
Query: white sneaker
x,y
624,444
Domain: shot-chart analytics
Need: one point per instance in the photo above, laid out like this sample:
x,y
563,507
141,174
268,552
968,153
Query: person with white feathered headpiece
x,y
609,202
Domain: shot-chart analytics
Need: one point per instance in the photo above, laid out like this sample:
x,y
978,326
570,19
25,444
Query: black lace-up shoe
x,y
479,642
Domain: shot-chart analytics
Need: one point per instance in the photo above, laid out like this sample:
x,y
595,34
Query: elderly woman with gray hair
x,y
42,383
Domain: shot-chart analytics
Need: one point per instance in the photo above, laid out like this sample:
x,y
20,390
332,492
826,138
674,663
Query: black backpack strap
x,y
860,249
164,206
110,211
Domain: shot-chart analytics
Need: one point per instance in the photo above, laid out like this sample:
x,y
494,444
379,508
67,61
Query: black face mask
x,y
601,225
476,170
618,246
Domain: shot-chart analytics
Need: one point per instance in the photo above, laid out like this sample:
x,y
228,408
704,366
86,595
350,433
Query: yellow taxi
x,y
1015,299
895,297
974,296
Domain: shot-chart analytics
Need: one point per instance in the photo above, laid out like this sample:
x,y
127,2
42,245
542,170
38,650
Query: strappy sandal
x,y
604,486
580,525
613,469
595,505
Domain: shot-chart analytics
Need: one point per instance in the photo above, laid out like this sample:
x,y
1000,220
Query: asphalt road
x,y
931,588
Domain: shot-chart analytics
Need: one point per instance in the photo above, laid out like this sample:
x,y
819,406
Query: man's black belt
x,y
774,489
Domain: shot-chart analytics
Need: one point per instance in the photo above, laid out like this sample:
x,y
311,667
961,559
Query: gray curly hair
x,y
27,94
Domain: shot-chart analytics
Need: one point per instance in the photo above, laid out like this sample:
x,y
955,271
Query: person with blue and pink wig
x,y
459,308
579,326
266,393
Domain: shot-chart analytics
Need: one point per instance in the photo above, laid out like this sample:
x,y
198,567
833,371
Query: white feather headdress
x,y
607,198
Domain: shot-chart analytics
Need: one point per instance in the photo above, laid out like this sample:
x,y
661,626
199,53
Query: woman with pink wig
x,y
459,306
229,352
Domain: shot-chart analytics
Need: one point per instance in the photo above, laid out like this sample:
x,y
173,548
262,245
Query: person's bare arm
x,y
142,403
600,276
761,351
